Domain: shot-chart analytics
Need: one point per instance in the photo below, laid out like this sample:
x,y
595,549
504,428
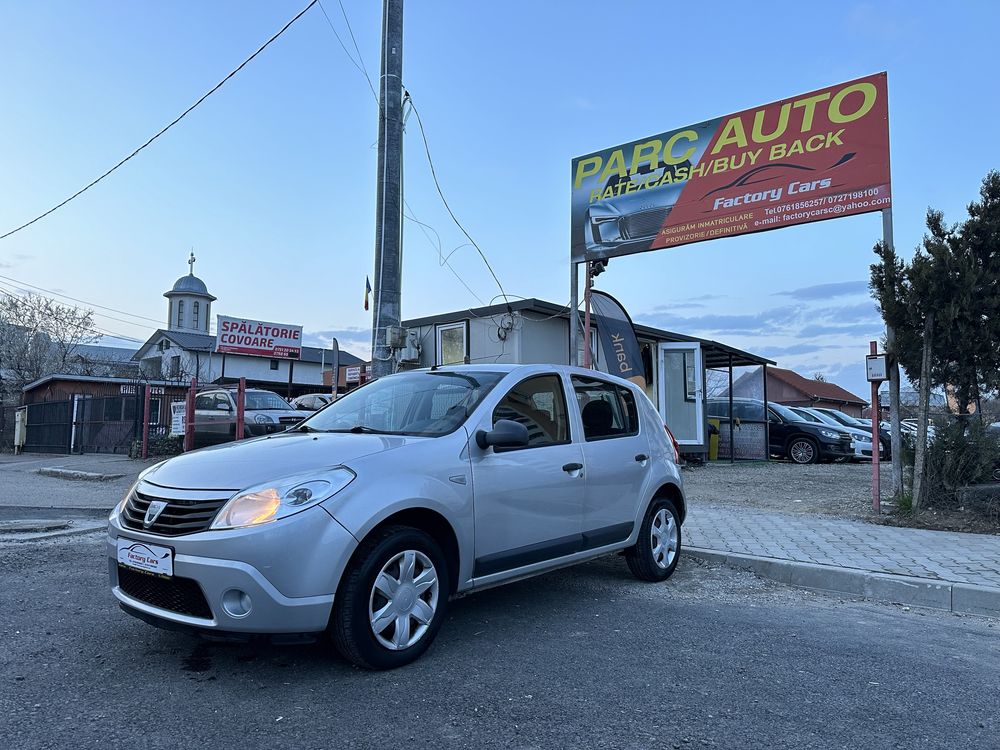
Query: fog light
x,y
236,603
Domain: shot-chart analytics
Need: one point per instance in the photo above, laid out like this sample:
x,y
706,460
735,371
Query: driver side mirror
x,y
505,434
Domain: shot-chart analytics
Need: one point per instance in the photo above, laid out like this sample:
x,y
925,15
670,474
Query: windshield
x,y
428,403
818,416
260,400
843,418
785,413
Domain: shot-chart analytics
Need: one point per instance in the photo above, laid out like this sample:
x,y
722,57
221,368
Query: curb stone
x,y
49,471
886,587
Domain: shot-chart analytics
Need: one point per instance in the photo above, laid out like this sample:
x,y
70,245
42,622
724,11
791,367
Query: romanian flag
x,y
368,290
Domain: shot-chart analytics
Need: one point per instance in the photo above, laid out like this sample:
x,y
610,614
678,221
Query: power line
x,y
361,58
359,63
13,294
82,301
165,129
440,192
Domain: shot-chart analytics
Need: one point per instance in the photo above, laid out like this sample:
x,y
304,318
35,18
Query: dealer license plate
x,y
151,558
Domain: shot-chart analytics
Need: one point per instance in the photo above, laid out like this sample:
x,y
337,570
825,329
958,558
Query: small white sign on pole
x,y
178,415
875,364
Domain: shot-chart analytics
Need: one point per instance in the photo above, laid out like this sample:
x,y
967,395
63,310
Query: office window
x,y
274,364
452,343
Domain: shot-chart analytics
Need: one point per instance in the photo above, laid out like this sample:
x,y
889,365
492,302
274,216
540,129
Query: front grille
x,y
644,223
181,595
179,517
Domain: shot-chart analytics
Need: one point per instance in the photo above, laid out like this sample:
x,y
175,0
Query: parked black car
x,y
789,436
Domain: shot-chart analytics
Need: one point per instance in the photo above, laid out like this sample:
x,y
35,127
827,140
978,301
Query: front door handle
x,y
569,468
641,457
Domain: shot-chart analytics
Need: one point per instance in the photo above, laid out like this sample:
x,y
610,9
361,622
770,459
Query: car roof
x,y
526,369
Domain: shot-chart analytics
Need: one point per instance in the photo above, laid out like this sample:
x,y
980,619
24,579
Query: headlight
x,y
830,434
273,500
128,493
262,418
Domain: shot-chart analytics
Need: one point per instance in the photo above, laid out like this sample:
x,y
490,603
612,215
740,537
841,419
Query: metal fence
x,y
139,419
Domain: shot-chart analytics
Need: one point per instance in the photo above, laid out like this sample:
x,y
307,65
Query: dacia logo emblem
x,y
153,512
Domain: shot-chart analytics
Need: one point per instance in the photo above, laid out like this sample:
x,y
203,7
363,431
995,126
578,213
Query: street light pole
x,y
386,311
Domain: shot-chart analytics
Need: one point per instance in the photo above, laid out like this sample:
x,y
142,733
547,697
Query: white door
x,y
682,398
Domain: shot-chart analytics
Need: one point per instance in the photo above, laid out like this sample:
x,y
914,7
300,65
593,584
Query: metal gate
x,y
49,427
107,424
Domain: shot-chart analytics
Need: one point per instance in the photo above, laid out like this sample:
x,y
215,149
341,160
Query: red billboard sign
x,y
812,157
257,338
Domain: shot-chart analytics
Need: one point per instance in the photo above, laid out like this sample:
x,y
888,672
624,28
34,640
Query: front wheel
x,y
803,451
392,600
658,548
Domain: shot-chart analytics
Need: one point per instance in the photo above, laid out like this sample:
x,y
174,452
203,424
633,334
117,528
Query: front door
x,y
682,402
529,501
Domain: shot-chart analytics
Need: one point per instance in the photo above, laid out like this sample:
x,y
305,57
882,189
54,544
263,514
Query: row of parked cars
x,y
804,435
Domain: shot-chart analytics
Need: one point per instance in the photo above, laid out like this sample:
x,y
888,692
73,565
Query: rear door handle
x,y
641,457
572,467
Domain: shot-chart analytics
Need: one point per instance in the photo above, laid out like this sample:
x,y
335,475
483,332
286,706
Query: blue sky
x,y
272,179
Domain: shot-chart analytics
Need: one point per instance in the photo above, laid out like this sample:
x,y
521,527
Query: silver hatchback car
x,y
366,518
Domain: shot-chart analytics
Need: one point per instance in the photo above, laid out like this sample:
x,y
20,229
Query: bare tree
x,y
38,336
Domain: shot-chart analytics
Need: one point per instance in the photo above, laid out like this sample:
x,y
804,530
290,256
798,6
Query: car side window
x,y
540,405
222,402
205,401
607,410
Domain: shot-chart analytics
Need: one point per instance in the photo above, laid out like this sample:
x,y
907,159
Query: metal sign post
x,y
875,364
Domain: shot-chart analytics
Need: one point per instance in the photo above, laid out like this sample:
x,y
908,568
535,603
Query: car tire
x,y
390,573
803,450
885,451
661,526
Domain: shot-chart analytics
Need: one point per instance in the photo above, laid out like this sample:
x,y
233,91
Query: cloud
x,y
772,352
772,320
826,291
863,330
357,341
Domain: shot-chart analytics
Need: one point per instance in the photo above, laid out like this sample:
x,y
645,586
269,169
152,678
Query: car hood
x,y
236,466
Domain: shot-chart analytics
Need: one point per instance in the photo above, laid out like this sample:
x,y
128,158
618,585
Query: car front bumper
x,y
288,571
834,450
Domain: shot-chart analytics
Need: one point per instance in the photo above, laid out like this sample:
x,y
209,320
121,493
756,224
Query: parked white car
x,y
365,519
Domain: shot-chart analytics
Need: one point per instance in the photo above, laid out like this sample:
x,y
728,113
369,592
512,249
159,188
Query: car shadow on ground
x,y
538,604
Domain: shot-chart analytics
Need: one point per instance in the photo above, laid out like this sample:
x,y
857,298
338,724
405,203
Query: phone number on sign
x,y
826,200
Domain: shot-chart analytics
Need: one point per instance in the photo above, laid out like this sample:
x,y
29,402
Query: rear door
x,y
616,457
529,501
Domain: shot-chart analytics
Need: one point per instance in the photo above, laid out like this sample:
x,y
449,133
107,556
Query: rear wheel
x,y
803,451
658,548
392,600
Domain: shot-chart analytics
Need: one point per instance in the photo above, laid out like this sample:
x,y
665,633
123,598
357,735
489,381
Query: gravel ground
x,y
841,490
838,490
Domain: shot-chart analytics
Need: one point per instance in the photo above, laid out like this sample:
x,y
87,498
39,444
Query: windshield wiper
x,y
305,428
360,428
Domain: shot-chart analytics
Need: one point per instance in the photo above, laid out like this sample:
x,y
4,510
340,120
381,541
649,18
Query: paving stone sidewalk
x,y
943,555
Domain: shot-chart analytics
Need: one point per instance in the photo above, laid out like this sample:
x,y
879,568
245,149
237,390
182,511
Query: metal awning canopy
x,y
714,354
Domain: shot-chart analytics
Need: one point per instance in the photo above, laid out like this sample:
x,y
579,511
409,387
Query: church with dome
x,y
185,349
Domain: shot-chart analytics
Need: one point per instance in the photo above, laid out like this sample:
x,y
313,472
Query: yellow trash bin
x,y
713,440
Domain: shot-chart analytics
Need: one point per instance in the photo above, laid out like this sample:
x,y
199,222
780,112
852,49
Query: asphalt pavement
x,y
586,657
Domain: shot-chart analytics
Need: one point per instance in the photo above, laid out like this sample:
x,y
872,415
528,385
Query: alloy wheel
x,y
664,538
403,600
802,452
